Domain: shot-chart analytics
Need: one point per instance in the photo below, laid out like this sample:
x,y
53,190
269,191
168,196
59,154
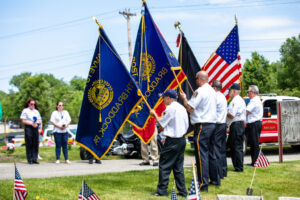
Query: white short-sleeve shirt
x,y
204,104
174,120
237,108
255,109
60,118
221,108
30,114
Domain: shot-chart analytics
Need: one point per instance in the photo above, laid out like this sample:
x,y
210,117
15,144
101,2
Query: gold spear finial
x,y
100,25
236,20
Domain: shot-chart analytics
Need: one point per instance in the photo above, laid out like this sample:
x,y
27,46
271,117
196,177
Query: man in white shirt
x,y
174,122
254,113
220,131
202,109
237,116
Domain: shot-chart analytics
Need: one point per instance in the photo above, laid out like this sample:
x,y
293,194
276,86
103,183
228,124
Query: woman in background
x,y
31,118
60,119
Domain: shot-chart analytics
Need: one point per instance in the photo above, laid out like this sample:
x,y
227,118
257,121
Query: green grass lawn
x,y
273,181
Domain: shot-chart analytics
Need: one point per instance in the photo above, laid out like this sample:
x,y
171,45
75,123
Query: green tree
x,y
18,79
289,73
258,71
36,87
78,83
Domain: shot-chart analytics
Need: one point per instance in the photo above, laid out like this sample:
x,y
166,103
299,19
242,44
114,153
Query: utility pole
x,y
127,16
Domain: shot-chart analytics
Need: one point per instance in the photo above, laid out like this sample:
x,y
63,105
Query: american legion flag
x,y
261,161
20,191
88,194
224,64
192,191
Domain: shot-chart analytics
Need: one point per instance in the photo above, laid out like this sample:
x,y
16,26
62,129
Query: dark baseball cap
x,y
234,86
169,93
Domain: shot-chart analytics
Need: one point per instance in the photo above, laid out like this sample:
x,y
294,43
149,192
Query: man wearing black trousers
x,y
236,115
174,122
254,112
202,109
220,131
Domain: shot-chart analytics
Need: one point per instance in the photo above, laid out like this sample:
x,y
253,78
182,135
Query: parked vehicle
x,y
126,144
48,135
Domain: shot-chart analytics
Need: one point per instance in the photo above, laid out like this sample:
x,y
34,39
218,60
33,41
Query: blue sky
x,y
59,37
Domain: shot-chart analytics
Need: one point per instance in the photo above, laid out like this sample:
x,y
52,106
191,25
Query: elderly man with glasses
x,y
254,112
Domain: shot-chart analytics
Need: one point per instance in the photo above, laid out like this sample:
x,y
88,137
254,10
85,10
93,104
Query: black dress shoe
x,y
204,189
29,162
214,183
98,161
250,165
238,170
157,194
35,162
144,163
90,161
155,164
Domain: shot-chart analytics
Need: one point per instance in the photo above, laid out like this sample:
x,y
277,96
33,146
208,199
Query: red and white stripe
x,y
218,69
262,161
20,190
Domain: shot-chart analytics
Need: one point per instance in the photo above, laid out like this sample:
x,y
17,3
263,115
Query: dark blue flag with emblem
x,y
151,68
109,98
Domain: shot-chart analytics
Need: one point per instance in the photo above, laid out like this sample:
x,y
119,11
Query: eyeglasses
x,y
60,105
32,104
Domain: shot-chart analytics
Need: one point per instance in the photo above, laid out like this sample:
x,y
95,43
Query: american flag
x,y
192,191
88,194
20,191
261,161
224,64
174,195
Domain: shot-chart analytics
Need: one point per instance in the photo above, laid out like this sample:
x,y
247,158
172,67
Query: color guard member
x,y
202,109
175,123
254,113
236,115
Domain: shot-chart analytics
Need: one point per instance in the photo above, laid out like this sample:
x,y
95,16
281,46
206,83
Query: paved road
x,y
78,168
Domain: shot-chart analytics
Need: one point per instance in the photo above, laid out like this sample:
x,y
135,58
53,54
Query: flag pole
x,y
195,181
82,188
14,180
146,102
249,190
177,25
180,88
99,29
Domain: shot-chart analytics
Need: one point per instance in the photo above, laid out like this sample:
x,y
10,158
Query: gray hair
x,y
217,84
254,89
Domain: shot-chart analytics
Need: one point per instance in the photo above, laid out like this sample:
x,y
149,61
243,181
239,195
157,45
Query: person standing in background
x,y
31,118
254,112
61,120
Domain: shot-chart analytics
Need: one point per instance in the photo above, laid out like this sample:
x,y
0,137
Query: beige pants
x,y
153,149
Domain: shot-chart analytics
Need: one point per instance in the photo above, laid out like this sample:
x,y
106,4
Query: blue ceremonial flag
x,y
109,98
151,67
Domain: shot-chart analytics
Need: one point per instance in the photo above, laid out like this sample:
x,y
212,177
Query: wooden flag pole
x,y
146,102
179,85
14,180
82,187
195,180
